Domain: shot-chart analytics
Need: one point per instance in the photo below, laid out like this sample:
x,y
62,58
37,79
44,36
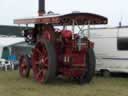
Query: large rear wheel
x,y
44,61
90,62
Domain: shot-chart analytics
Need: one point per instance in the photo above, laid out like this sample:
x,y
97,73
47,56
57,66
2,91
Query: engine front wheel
x,y
24,66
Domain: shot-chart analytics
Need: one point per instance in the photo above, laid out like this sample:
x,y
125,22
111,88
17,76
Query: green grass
x,y
11,84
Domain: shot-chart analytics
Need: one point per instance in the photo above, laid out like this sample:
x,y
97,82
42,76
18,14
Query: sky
x,y
114,10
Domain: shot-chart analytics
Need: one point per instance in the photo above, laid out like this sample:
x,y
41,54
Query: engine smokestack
x,y
41,9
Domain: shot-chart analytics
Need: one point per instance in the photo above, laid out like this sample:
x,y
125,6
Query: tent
x,y
6,42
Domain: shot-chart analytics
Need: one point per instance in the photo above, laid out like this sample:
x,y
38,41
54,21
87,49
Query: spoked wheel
x,y
90,62
44,62
24,66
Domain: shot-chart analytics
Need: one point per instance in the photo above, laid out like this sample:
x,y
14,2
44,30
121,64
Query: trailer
x,y
111,49
59,52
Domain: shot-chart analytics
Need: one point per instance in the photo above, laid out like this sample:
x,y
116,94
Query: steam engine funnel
x,y
41,9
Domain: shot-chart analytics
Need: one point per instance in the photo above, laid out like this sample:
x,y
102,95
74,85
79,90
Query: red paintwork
x,y
47,32
71,61
66,34
23,66
40,62
70,57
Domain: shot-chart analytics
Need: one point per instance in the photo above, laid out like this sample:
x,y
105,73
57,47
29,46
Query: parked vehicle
x,y
111,48
61,52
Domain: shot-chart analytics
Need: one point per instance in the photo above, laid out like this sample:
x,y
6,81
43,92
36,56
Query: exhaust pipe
x,y
41,9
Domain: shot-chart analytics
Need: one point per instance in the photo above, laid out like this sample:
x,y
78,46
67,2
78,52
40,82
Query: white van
x,y
111,49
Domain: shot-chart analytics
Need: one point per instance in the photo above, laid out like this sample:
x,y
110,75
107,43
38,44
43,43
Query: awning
x,y
66,19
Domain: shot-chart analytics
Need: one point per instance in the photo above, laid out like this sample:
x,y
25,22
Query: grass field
x,y
11,84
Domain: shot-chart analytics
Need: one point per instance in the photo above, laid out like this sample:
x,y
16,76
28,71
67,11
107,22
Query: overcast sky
x,y
115,10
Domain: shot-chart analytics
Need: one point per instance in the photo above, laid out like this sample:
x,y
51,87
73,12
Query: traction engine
x,y
59,52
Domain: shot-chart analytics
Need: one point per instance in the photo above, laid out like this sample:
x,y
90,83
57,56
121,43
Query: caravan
x,y
111,48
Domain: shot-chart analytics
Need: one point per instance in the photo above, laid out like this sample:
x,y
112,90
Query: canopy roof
x,y
8,41
66,19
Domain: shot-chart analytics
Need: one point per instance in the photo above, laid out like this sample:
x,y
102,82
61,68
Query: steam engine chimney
x,y
41,9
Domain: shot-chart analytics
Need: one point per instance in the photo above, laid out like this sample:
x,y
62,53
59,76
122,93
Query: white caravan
x,y
111,49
